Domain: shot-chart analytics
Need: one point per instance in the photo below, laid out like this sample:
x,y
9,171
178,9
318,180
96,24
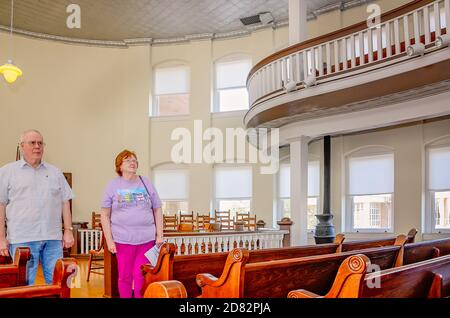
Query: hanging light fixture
x,y
10,71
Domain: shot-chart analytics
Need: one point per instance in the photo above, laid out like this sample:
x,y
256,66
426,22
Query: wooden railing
x,y
334,55
199,243
89,240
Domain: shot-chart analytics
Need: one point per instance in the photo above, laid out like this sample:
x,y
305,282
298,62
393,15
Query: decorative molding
x,y
125,43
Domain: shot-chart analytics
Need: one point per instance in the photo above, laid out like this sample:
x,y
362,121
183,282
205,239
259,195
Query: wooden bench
x,y
421,251
274,279
14,272
362,244
425,279
64,268
184,268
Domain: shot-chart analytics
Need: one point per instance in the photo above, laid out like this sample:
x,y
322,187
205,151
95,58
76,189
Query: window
x,y
171,91
231,90
284,192
370,192
233,188
439,188
172,186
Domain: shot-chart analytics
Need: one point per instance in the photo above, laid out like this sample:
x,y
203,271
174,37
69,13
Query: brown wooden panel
x,y
275,279
421,251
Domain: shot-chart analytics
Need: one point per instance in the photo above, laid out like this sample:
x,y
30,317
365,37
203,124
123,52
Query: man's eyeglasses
x,y
128,161
35,143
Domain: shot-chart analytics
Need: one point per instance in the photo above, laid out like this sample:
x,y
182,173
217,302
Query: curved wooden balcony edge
x,y
336,34
332,101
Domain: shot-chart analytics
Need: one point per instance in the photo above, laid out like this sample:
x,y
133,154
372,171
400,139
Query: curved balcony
x,y
406,56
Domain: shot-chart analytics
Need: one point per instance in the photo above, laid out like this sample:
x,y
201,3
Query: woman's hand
x,y
159,241
112,247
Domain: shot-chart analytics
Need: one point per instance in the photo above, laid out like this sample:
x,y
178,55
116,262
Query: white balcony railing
x,y
222,242
325,61
89,240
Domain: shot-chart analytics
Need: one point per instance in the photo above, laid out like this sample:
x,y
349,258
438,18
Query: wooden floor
x,y
92,289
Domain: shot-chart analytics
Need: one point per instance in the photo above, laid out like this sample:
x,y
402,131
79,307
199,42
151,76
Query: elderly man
x,y
33,197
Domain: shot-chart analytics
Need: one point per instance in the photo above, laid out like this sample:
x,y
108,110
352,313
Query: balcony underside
x,y
415,83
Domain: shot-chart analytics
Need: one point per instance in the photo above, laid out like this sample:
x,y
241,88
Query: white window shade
x,y
172,184
233,182
313,179
232,73
172,80
439,169
371,175
285,181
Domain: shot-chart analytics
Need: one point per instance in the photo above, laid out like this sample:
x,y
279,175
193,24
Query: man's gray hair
x,y
26,132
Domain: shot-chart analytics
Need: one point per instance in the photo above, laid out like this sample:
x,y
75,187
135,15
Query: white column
x,y
297,21
299,190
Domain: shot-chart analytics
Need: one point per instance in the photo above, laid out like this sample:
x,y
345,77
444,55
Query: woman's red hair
x,y
121,157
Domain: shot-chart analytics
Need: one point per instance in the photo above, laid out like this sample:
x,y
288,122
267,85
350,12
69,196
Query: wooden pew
x,y
15,273
425,250
362,244
64,268
274,279
184,268
425,279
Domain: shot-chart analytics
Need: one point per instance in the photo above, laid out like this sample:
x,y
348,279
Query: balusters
x,y
406,31
447,15
336,56
397,37
388,40
416,27
437,19
328,54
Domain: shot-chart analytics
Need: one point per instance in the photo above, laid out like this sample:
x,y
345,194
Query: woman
x,y
132,222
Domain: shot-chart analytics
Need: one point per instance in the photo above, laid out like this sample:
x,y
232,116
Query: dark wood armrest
x,y
206,279
302,293
166,289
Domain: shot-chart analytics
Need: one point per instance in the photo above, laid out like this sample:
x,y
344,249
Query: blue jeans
x,y
48,252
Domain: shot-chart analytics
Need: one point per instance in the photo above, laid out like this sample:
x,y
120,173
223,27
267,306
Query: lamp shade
x,y
10,72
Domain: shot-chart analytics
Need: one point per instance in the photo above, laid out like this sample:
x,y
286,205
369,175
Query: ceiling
x,y
160,20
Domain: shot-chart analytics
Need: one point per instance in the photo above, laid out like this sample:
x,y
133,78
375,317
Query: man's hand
x,y
4,247
68,239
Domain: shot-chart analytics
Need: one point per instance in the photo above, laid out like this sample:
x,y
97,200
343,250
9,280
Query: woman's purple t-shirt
x,y
132,220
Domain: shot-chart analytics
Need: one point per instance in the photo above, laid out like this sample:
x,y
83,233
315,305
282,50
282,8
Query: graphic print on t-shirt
x,y
132,197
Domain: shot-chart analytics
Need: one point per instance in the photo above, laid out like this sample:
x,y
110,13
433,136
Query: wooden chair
x,y
170,222
186,217
203,221
96,257
249,220
224,218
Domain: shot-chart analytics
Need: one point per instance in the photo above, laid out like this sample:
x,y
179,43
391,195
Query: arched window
x,y
370,190
230,83
171,90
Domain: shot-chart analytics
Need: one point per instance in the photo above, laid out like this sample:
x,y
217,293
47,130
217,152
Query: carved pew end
x,y
166,289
